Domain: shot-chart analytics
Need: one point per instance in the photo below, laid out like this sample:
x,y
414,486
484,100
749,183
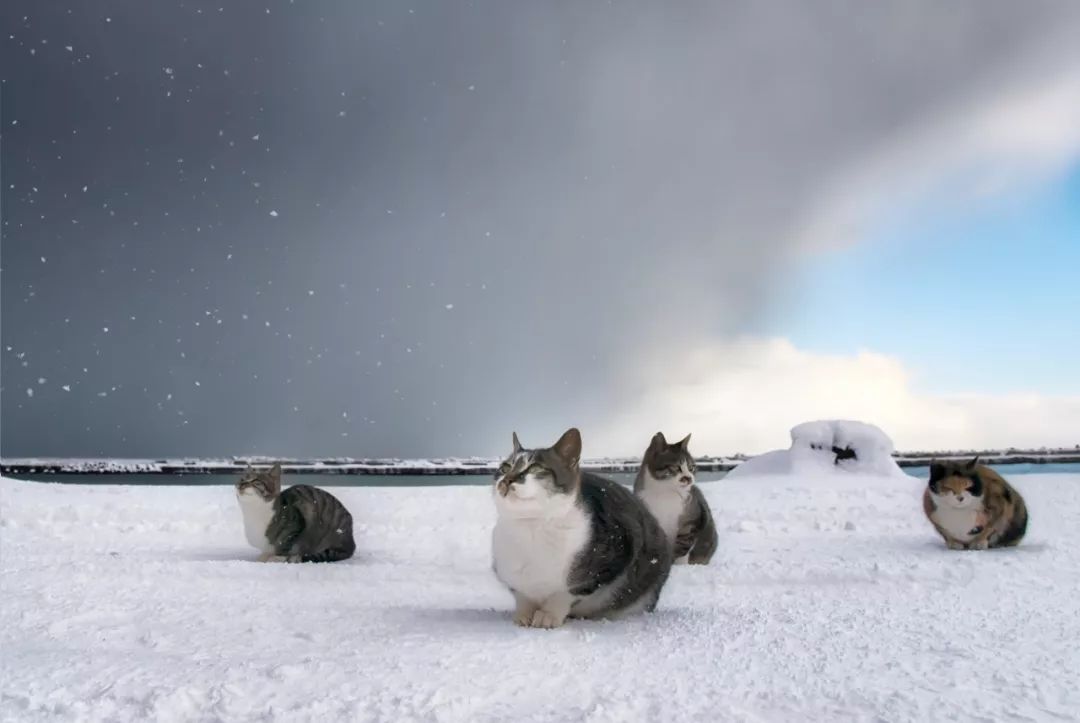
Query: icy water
x,y
1007,470
337,480
319,480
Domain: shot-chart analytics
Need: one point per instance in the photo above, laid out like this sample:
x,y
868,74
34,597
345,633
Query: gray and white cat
x,y
665,483
570,543
300,524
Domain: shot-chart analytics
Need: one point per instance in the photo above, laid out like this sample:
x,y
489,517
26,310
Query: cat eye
x,y
536,470
503,468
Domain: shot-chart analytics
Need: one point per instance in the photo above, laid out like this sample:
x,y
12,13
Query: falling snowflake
x,y
30,391
449,306
274,214
66,387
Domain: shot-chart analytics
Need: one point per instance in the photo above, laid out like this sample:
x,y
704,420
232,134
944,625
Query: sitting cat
x,y
300,524
972,507
665,483
570,543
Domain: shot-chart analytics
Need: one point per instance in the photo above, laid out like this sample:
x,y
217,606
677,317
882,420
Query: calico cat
x,y
972,507
571,543
300,524
665,483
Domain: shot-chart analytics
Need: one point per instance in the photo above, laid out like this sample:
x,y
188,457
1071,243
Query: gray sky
x,y
405,229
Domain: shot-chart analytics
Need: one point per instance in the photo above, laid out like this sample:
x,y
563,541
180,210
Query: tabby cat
x,y
665,483
300,524
972,507
571,543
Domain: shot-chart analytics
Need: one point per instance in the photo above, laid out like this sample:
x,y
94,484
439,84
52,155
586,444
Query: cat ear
x,y
569,446
275,478
659,442
973,464
685,443
937,471
517,444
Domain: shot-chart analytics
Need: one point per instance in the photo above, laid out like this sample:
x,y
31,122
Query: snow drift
x,y
825,447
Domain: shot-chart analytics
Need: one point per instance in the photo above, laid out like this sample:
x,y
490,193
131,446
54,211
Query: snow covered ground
x,y
830,598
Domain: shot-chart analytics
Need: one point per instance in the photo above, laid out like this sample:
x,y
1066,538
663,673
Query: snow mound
x,y
827,446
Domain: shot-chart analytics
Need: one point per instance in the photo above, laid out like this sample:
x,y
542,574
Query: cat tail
x,y
331,554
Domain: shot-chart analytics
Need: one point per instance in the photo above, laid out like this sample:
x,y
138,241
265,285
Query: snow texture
x,y
830,598
825,447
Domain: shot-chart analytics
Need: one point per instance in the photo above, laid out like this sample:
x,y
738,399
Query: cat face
x,y
670,464
530,479
956,485
264,484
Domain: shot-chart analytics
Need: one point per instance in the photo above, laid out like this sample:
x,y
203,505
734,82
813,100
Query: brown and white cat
x,y
665,483
300,524
972,507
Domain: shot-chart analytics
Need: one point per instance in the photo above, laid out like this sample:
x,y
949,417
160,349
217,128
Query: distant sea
x,y
336,480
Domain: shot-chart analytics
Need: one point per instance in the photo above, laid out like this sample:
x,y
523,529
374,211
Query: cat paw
x,y
523,618
544,619
953,545
981,545
294,558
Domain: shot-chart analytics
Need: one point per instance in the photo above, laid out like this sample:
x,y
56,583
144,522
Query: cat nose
x,y
959,498
686,480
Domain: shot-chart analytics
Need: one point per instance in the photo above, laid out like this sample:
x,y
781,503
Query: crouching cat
x,y
570,543
665,483
972,507
300,524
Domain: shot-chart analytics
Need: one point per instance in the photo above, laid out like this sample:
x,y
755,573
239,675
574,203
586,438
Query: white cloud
x,y
745,396
1017,132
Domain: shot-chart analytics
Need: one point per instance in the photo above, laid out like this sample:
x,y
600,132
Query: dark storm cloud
x,y
394,229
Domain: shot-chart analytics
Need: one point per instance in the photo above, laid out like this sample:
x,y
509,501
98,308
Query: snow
x,y
830,598
813,451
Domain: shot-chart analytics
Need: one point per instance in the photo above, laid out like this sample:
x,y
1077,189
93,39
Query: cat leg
x,y
524,609
284,530
981,541
265,557
954,544
553,611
